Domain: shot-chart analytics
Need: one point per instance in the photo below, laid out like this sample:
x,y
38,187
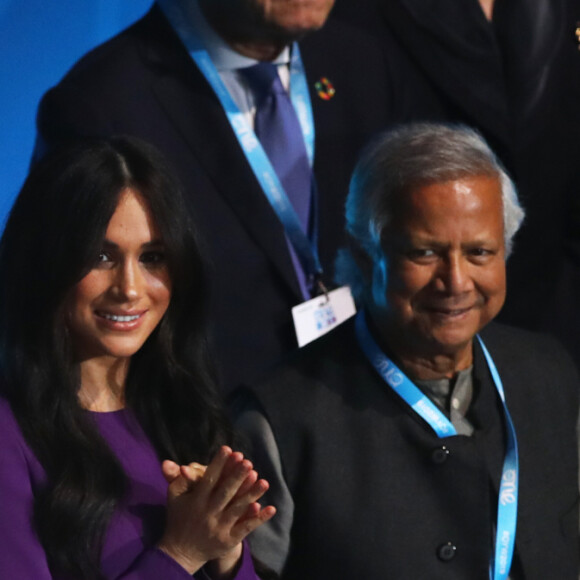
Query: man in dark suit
x,y
511,69
409,443
144,83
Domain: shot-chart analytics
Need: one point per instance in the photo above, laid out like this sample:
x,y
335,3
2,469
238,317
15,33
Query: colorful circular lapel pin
x,y
325,89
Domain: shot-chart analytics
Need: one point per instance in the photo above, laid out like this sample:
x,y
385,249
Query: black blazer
x,y
378,495
518,82
144,83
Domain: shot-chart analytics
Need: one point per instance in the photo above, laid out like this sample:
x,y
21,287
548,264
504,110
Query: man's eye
x,y
480,252
420,254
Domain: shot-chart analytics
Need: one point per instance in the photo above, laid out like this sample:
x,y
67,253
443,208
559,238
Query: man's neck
x,y
258,48
487,7
263,51
421,361
439,366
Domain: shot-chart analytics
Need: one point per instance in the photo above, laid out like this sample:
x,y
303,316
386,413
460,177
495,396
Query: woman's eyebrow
x,y
153,244
108,244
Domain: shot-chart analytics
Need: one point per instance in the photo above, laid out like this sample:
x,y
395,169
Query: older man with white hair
x,y
422,440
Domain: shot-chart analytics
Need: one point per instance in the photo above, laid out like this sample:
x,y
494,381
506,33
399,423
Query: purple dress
x,y
129,551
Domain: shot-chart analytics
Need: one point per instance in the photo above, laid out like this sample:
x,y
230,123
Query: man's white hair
x,y
402,159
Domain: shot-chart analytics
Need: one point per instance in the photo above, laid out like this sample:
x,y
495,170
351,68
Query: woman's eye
x,y
153,258
103,259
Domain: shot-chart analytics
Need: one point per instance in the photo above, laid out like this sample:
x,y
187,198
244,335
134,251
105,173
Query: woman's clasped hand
x,y
210,510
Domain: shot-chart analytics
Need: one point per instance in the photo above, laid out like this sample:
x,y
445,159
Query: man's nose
x,y
454,275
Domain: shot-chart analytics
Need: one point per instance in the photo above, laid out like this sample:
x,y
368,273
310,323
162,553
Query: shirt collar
x,y
222,55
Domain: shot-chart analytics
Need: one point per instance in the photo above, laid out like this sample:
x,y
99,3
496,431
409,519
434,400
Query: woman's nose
x,y
129,281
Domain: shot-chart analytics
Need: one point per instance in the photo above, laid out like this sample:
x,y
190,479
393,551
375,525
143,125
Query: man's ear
x,y
363,261
379,282
373,270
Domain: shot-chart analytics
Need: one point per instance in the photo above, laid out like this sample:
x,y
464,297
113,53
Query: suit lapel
x,y
455,47
191,106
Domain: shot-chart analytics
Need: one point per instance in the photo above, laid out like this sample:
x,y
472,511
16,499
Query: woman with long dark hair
x,y
104,373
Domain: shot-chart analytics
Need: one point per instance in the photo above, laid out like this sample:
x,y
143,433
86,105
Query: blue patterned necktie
x,y
277,127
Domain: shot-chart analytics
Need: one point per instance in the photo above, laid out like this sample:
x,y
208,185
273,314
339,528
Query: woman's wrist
x,y
191,565
226,567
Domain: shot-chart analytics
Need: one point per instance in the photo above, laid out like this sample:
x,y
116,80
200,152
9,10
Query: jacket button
x,y
446,552
440,454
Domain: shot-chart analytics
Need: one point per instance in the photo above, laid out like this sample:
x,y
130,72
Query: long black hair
x,y
52,237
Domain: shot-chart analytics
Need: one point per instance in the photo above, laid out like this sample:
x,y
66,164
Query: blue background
x,y
39,42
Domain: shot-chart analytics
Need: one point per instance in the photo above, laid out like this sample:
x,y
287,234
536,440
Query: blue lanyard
x,y
257,158
508,493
